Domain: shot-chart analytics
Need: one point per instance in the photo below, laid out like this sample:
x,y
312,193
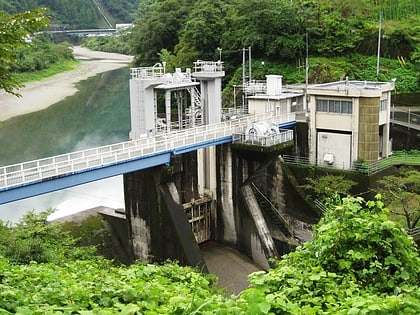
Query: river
x,y
98,114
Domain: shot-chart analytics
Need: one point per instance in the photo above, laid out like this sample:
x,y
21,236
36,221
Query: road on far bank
x,y
42,94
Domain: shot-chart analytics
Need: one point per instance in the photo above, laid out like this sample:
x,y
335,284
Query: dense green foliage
x,y
359,262
14,30
97,287
274,29
34,240
76,14
41,54
323,187
277,32
116,44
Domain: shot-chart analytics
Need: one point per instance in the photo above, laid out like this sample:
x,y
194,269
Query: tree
x,y
274,29
201,34
32,239
14,32
158,28
323,187
402,193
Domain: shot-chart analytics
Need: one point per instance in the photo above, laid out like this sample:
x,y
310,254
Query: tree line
x,y
278,32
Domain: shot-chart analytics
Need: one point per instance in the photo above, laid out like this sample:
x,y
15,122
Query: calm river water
x,y
98,114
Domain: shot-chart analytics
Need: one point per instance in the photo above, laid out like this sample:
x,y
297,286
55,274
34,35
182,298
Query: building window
x,y
322,105
334,106
346,107
383,105
296,104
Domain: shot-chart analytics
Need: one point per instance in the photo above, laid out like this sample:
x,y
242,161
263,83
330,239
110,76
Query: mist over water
x,y
99,114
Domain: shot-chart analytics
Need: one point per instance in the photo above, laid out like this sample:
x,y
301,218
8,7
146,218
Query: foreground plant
x,y
359,262
98,287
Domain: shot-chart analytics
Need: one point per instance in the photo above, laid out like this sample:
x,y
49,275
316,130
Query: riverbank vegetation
x,y
42,58
359,262
15,30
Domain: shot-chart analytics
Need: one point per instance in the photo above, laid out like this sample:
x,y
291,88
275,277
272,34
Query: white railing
x,y
264,141
208,66
255,87
76,162
157,71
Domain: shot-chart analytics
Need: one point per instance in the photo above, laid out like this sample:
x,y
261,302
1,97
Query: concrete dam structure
x,y
230,193
195,171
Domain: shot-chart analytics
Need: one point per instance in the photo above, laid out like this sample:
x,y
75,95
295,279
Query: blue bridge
x,y
50,174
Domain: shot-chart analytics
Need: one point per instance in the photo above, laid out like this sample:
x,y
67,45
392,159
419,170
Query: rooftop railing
x,y
208,66
156,71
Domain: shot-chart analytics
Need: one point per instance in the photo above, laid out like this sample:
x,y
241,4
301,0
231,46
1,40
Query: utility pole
x,y
243,79
244,73
306,75
249,61
379,43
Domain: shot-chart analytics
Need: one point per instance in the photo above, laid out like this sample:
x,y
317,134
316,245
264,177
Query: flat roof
x,y
357,85
281,96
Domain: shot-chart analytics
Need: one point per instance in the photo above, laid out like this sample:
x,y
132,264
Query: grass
x,y
62,66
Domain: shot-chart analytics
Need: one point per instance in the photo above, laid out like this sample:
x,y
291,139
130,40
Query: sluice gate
x,y
198,213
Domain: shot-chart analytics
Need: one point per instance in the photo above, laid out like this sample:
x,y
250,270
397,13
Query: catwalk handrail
x,y
79,161
367,168
406,118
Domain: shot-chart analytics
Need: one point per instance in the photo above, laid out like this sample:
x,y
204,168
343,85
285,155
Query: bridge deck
x,y
116,159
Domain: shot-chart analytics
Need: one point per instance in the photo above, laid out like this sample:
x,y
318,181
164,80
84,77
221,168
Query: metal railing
x,y
255,87
208,66
264,141
405,118
76,162
360,167
156,71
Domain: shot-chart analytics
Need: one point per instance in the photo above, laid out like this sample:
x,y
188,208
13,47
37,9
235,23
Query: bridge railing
x,y
74,162
408,118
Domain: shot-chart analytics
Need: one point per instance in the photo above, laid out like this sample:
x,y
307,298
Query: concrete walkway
x,y
231,267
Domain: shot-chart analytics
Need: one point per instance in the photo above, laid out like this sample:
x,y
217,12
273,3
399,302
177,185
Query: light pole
x,y
220,53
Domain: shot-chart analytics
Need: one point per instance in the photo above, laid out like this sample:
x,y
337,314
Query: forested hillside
x,y
72,14
278,33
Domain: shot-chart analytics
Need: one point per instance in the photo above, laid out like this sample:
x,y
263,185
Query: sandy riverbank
x,y
40,95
